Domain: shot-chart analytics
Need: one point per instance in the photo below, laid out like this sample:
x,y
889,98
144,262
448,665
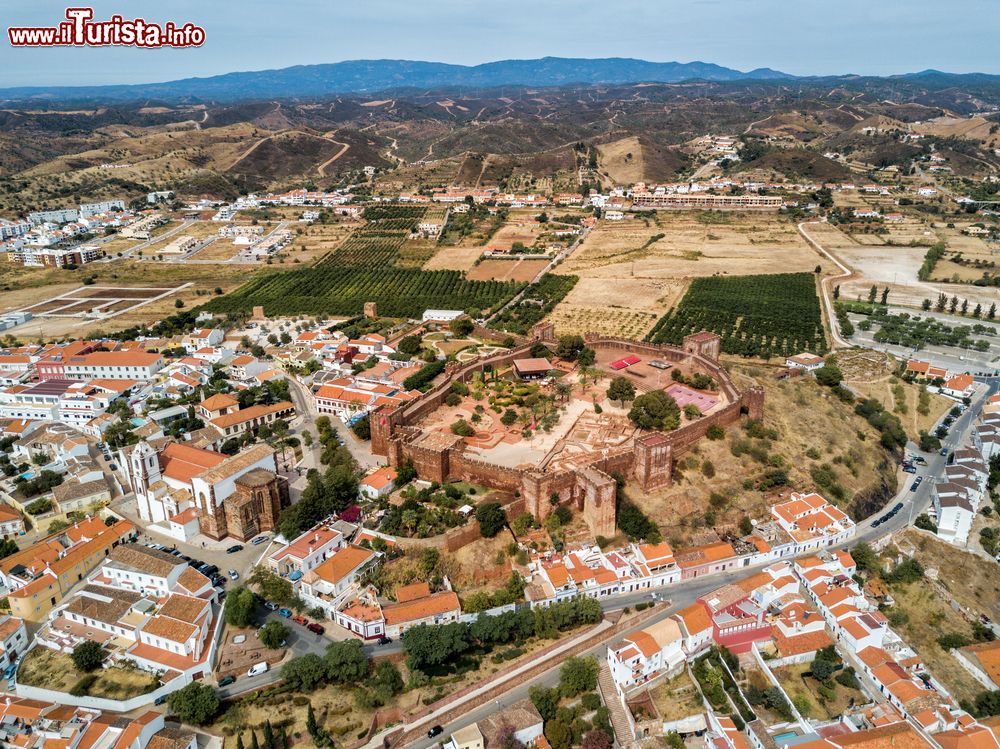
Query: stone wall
x,y
457,538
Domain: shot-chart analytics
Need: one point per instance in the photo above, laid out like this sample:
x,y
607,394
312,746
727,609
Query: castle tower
x,y
653,461
704,344
598,490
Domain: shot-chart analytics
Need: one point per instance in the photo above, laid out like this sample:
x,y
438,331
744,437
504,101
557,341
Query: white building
x,y
645,654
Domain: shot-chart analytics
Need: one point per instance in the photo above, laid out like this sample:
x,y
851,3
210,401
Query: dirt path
x,y
321,169
824,284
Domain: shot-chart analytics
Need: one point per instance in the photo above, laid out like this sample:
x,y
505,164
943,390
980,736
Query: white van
x,y
257,669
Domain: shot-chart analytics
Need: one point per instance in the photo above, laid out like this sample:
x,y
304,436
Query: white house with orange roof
x,y
201,338
645,654
657,562
327,584
244,367
379,483
307,551
348,397
11,522
812,522
13,639
960,386
695,627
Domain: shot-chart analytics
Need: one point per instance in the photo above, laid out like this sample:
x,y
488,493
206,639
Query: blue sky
x,y
797,36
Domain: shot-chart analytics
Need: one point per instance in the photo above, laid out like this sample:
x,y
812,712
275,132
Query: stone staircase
x,y
619,721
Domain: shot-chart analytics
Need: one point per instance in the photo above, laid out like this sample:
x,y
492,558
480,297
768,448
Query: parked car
x,y
233,575
9,671
160,700
287,613
260,539
916,484
196,563
235,548
299,619
218,581
435,731
383,640
909,469
270,605
316,627
257,669
898,507
225,681
944,451
920,461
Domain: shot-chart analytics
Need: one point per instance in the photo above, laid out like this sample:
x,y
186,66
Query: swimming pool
x,y
28,475
785,736
137,422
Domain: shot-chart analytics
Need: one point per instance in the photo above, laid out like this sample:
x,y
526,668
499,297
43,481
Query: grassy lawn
x,y
48,669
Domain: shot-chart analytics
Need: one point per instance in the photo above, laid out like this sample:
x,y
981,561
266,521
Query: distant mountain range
x,y
369,76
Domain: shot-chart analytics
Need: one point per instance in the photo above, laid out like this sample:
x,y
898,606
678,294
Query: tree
x,y
239,608
621,390
273,633
569,347
577,675
433,645
993,311
925,305
409,345
197,704
253,740
822,669
491,519
655,410
509,417
596,739
865,558
346,662
872,293
836,292
88,655
545,700
461,326
829,375
885,296
560,735
7,547
271,586
746,525
268,735
587,357
305,673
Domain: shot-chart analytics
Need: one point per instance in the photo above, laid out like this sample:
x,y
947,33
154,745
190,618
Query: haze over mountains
x,y
369,76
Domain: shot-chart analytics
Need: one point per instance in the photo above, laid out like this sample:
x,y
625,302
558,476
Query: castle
x,y
589,485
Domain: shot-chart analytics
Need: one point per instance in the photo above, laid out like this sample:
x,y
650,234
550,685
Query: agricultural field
x,y
520,228
571,319
475,227
331,289
454,257
757,316
690,244
319,239
538,301
506,270
380,241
